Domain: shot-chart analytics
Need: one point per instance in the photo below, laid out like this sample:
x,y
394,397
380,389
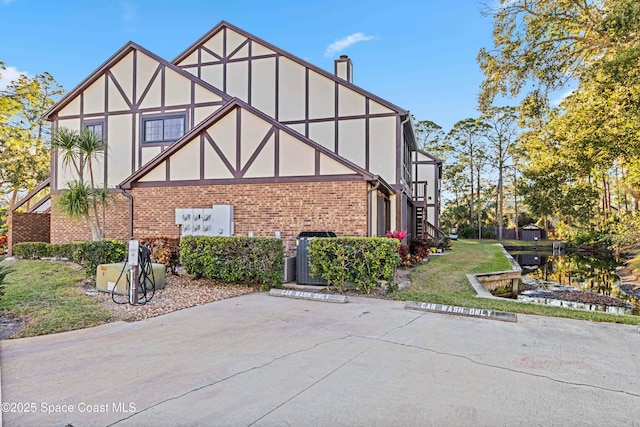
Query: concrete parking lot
x,y
266,361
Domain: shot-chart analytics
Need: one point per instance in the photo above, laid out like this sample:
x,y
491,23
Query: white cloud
x,y
8,75
340,45
128,11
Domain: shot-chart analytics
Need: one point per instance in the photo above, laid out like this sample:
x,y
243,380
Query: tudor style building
x,y
236,120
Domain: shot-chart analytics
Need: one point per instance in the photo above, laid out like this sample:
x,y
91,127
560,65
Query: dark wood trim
x,y
202,157
238,104
237,49
399,144
44,184
168,169
39,203
276,154
257,151
134,143
238,139
135,76
209,51
224,61
317,162
331,119
163,88
105,132
223,25
306,102
221,154
199,65
115,58
148,87
228,61
277,86
169,110
271,180
193,101
335,118
249,72
124,95
366,134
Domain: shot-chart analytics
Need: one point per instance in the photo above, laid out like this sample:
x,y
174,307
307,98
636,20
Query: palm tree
x,y
81,199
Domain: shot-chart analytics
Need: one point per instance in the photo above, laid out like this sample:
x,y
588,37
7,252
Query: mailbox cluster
x,y
217,221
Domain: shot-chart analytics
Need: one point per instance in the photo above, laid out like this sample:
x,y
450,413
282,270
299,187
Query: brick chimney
x,y
343,68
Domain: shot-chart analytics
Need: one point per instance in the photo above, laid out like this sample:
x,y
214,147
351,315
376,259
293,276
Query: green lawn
x,y
46,295
442,281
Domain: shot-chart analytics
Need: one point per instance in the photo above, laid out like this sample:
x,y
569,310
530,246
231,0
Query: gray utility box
x,y
303,270
289,269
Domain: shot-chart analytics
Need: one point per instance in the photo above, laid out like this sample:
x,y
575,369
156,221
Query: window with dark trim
x,y
97,128
163,129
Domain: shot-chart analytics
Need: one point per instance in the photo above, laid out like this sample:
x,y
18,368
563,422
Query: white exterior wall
x,y
279,86
111,99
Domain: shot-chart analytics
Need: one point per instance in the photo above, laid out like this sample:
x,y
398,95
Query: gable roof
x,y
290,56
115,58
219,114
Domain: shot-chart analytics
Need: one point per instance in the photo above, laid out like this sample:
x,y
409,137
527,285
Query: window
x,y
162,129
96,128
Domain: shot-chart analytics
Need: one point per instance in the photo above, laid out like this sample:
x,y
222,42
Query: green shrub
x,y
91,254
472,233
88,254
4,270
31,250
234,259
363,261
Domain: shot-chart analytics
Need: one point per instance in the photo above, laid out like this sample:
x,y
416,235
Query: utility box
x,y
217,221
108,277
289,269
303,270
222,220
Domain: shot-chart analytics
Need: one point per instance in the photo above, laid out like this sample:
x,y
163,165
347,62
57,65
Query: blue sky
x,y
420,55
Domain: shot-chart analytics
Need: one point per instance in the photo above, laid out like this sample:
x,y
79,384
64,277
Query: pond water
x,y
573,280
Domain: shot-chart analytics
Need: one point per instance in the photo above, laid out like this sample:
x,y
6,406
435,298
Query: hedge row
x,y
88,254
366,262
234,259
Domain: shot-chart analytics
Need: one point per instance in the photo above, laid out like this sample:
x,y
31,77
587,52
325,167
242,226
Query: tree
x,y
24,146
79,152
550,42
501,132
431,138
466,138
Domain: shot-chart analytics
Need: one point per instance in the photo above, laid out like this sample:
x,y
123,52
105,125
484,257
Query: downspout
x,y
130,197
369,203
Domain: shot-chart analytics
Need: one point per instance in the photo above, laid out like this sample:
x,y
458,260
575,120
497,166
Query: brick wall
x,y
262,208
67,230
27,227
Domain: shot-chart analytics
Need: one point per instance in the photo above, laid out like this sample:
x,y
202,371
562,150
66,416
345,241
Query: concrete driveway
x,y
266,361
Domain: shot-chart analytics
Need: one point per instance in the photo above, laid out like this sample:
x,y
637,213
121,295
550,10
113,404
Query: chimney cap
x,y
344,56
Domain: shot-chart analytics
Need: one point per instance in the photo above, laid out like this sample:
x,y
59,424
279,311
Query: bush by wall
x,y
234,259
88,254
31,250
164,250
363,261
472,233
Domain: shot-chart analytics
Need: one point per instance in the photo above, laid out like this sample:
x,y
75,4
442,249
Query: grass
x,y
47,296
443,281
